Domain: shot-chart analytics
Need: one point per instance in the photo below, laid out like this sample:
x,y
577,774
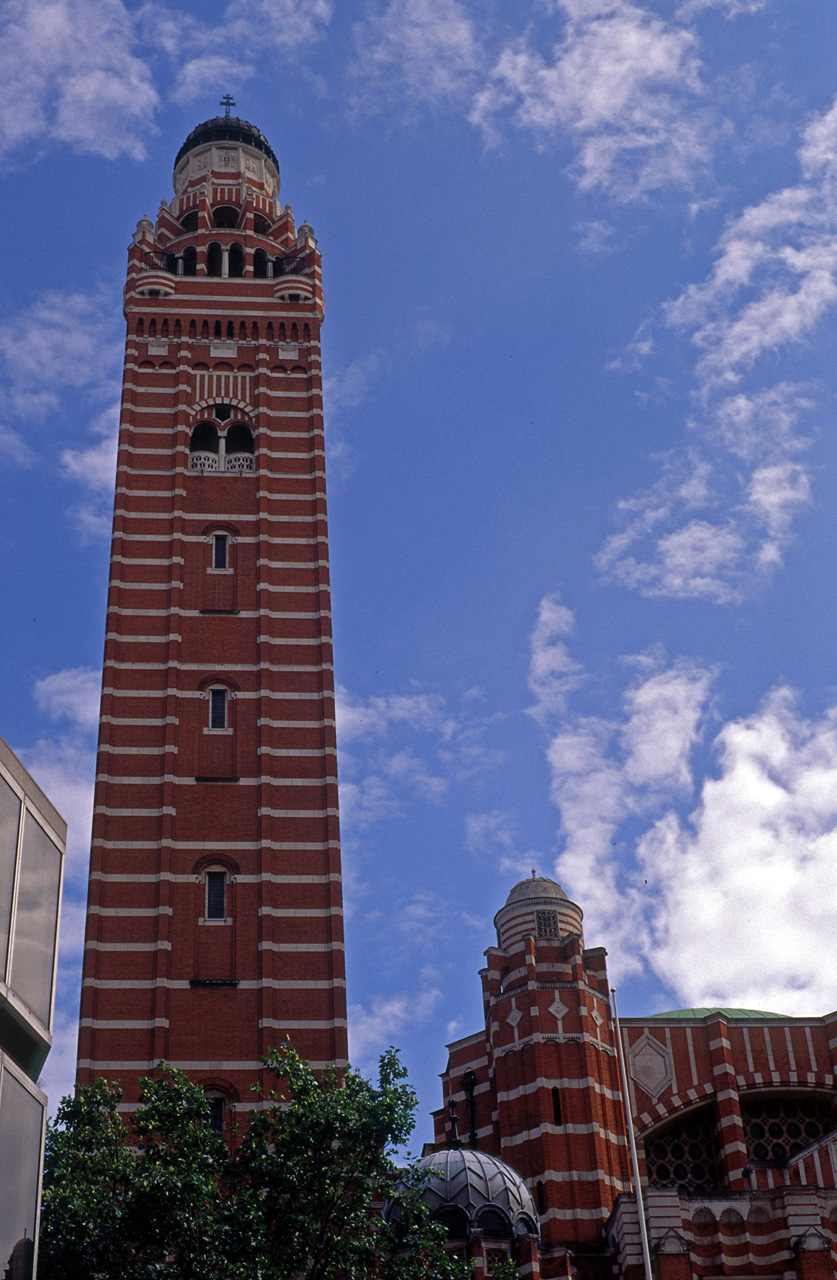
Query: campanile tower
x,y
214,923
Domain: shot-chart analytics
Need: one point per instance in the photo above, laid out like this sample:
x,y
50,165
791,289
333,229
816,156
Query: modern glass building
x,y
32,845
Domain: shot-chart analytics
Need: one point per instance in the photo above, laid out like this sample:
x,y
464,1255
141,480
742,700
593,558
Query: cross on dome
x,y
226,103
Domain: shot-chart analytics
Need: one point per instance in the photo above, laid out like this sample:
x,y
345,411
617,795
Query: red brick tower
x,y
214,924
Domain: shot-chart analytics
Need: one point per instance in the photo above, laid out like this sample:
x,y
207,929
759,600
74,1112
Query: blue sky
x,y
580,261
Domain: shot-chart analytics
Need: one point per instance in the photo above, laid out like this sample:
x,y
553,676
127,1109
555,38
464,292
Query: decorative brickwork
x,y
217,747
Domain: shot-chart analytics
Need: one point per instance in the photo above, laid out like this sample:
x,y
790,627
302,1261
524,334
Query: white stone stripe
x,y
176,612
584,1082
129,911
127,946
171,877
134,1024
301,946
293,913
183,984
530,1135
298,813
319,1024
240,695
272,780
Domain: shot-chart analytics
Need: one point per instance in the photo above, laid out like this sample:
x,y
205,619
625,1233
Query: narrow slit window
x,y
218,708
216,1115
556,1107
216,895
220,551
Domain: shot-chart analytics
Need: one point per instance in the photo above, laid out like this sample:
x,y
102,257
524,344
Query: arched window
x,y
203,448
219,697
239,448
220,551
190,260
556,1107
189,221
213,259
236,267
217,1112
225,217
215,880
260,264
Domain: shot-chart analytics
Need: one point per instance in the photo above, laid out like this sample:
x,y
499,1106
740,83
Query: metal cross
x,y
226,103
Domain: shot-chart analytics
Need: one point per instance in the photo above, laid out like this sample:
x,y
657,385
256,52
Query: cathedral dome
x,y
536,908
536,887
473,1191
227,129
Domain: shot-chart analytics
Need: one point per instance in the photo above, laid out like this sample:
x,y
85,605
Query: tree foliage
x,y
299,1197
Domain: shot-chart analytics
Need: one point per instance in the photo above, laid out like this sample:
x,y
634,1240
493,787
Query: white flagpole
x,y
629,1120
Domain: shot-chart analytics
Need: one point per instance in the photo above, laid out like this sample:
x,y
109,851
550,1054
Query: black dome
x,y
227,129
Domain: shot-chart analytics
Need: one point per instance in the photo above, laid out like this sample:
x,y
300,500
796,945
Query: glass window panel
x,y
33,952
216,884
218,709
9,819
220,548
21,1127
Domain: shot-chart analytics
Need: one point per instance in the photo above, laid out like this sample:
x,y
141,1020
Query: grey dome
x,y
536,887
227,129
474,1182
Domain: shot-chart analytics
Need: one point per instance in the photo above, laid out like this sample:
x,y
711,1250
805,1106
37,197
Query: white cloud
x,y
374,1027
605,772
623,84
71,74
374,717
62,341
201,75
706,529
72,694
755,862
731,8
493,833
553,673
415,52
281,24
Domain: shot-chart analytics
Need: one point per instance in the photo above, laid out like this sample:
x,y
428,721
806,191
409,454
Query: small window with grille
x,y
547,924
220,551
216,1113
216,895
218,708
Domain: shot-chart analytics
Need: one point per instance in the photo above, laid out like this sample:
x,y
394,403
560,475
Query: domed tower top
x,y
539,908
227,144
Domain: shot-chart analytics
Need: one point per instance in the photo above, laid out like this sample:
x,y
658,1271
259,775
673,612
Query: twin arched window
x,y
211,449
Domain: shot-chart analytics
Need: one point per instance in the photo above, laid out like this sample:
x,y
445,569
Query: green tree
x,y
314,1168
133,1203
298,1198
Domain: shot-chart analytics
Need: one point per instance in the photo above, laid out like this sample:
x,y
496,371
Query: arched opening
x,y
455,1221
215,881
189,221
152,328
278,266
217,1112
213,259
219,697
682,1154
190,260
171,263
225,217
220,551
239,448
261,226
236,260
203,447
778,1127
260,264
494,1223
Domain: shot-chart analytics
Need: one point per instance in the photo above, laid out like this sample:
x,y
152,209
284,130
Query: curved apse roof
x,y
705,1013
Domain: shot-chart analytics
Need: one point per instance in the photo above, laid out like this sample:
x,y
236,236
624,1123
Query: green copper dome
x,y
728,1013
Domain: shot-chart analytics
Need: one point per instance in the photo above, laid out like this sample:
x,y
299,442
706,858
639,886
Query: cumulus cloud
x,y
607,771
343,391
374,1026
755,861
415,52
553,672
71,74
623,84
772,284
493,833
374,717
200,76
72,694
